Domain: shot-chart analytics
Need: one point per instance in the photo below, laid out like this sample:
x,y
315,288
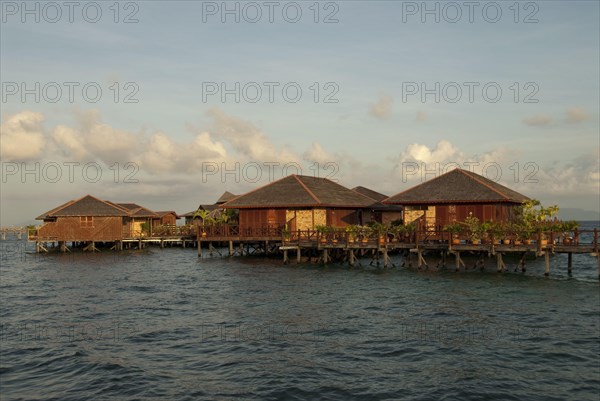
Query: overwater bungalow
x,y
213,209
380,213
140,220
454,196
300,203
84,219
165,218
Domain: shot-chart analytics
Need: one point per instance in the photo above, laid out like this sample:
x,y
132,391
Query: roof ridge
x,y
223,205
307,190
418,185
116,205
476,176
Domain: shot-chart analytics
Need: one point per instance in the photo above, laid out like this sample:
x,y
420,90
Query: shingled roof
x,y
457,186
163,213
136,210
300,191
226,197
85,206
370,193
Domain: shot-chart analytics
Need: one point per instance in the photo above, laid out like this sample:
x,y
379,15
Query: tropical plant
x,y
454,228
322,229
379,228
202,214
285,232
475,228
145,227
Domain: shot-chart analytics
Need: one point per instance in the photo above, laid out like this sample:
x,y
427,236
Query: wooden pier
x,y
341,247
44,244
18,232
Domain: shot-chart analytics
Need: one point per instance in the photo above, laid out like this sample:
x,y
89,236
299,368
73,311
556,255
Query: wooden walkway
x,y
342,247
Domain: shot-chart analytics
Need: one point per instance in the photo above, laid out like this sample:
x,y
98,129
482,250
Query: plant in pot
x,y
334,239
380,230
351,232
485,232
539,218
525,234
286,234
454,229
474,228
365,233
495,231
322,230
397,232
201,214
410,229
567,228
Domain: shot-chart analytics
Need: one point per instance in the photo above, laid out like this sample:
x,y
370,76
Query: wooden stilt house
x,y
379,212
455,195
300,203
85,219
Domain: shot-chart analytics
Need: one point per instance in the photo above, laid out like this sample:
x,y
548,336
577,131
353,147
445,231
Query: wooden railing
x,y
575,238
588,238
234,231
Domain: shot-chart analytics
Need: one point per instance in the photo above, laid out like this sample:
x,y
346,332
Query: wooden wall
x,y
342,217
167,219
261,218
73,229
445,214
299,218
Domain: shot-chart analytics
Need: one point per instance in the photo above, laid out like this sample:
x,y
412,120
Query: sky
x,y
169,104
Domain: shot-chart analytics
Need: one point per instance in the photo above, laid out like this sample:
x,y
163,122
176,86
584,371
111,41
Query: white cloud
x,y
443,152
539,120
418,163
22,137
577,115
316,153
247,139
382,108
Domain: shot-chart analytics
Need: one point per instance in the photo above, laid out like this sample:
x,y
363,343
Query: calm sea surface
x,y
163,324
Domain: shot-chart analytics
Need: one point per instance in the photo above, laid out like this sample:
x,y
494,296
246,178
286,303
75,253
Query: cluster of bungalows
x,y
295,202
299,202
304,202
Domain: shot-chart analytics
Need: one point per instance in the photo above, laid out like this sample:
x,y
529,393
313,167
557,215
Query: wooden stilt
x,y
63,247
230,248
162,244
285,257
570,263
547,260
298,255
459,261
386,259
500,266
522,262
351,257
325,256
199,249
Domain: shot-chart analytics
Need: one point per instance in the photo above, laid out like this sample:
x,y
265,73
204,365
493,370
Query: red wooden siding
x,y
445,214
261,218
75,229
